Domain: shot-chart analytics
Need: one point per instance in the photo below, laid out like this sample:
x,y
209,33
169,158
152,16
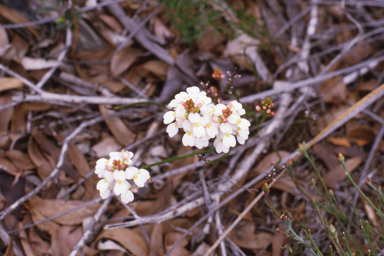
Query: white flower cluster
x,y
116,174
202,120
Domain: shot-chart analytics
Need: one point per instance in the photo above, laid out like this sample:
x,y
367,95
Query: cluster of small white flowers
x,y
202,120
116,173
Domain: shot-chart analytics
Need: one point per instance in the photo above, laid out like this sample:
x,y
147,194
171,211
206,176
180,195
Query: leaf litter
x,y
43,133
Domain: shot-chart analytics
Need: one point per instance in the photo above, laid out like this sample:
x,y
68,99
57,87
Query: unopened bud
x,y
341,157
230,105
199,105
225,120
258,108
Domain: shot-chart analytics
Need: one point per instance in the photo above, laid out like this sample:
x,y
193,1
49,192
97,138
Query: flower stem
x,y
138,103
177,158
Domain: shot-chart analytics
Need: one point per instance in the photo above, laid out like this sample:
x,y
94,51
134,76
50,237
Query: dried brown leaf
x,y
52,207
157,245
38,245
7,166
371,215
20,159
333,89
337,173
278,242
171,238
160,30
156,67
250,240
52,153
212,41
16,17
9,83
26,243
202,249
4,40
78,160
105,146
106,82
119,130
48,226
235,49
16,50
111,22
362,132
129,239
123,59
59,246
325,154
344,142
5,117
268,160
9,251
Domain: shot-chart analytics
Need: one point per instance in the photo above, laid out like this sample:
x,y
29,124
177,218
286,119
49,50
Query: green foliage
x,y
343,226
192,18
69,15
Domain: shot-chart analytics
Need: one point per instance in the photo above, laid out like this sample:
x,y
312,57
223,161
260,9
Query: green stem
x,y
305,153
138,103
378,212
177,158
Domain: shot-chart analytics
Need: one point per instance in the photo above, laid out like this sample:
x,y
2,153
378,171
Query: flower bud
x,y
258,108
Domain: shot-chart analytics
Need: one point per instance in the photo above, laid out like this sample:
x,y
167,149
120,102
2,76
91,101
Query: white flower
x,y
243,123
241,135
233,118
228,139
179,98
237,108
202,142
218,144
198,124
204,100
127,156
169,117
104,185
127,197
211,127
189,137
193,92
122,185
172,129
100,167
138,176
181,114
218,109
